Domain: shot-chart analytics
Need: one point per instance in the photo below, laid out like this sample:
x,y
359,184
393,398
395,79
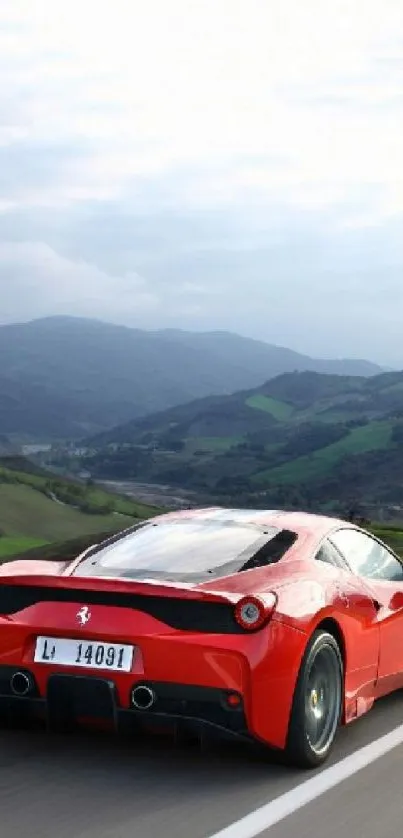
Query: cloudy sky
x,y
208,164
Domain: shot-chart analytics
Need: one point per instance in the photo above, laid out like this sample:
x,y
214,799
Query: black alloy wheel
x,y
317,703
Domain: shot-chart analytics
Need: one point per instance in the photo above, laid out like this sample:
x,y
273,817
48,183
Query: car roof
x,y
296,521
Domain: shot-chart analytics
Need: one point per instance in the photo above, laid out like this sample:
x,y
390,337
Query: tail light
x,y
251,612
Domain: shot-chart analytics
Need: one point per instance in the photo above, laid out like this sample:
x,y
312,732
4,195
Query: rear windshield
x,y
180,550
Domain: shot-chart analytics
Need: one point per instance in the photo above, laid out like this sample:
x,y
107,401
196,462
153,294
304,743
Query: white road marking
x,y
271,813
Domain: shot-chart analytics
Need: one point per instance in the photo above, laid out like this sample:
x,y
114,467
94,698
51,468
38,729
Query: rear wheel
x,y
317,703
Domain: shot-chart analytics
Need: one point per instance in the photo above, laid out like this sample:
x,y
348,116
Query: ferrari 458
x,y
275,627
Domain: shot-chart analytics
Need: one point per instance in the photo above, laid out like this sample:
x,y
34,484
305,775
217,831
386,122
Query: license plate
x,y
88,654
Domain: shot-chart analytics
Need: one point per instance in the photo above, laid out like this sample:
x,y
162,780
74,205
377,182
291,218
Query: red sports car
x,y
267,625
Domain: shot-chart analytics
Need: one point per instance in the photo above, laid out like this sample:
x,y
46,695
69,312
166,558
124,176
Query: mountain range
x,y
66,377
305,439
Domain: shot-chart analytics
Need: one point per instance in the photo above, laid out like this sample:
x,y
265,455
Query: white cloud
x,y
44,282
155,86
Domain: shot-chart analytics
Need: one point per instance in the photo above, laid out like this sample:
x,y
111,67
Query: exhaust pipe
x,y
143,697
21,684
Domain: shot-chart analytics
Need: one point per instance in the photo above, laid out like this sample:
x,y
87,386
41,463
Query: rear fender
x,y
341,607
359,644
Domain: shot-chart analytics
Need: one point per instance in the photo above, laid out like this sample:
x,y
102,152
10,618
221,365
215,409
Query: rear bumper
x,y
191,678
71,699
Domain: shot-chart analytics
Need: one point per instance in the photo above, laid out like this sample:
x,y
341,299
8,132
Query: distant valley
x,y
66,378
301,439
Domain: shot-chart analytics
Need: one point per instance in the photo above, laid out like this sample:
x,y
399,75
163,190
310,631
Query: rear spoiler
x,y
80,585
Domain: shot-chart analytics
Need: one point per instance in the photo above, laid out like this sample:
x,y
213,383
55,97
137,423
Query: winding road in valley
x,y
100,786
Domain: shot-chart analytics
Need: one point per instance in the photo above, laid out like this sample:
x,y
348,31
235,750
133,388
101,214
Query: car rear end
x,y
173,622
133,654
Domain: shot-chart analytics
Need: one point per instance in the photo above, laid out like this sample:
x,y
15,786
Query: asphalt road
x,y
99,786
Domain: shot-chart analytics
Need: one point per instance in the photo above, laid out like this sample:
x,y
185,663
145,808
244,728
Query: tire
x,y
317,703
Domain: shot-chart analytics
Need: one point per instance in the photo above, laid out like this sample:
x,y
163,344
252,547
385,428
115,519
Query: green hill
x,y
39,509
374,436
301,438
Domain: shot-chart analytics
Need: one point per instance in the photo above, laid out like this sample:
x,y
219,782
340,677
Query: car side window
x,y
327,553
367,557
